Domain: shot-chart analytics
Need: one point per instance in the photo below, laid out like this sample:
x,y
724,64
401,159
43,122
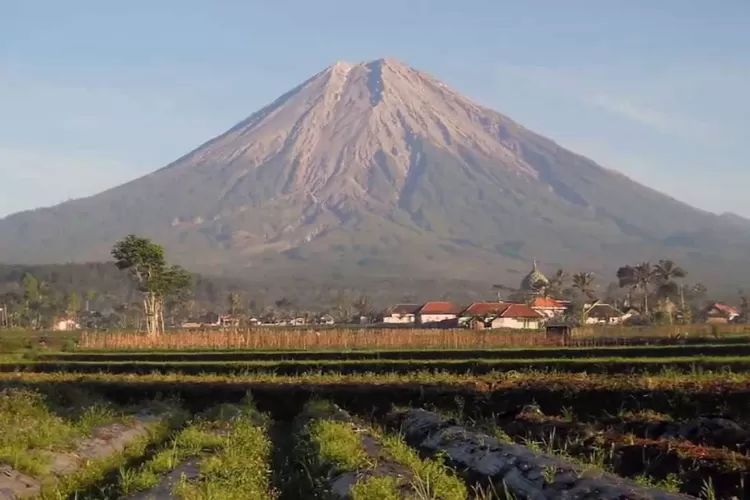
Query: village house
x,y
549,307
599,313
326,319
721,313
437,312
212,320
630,312
64,325
480,310
402,314
517,316
500,315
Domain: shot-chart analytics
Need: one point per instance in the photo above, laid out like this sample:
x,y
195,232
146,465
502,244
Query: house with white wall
x,y
599,313
437,312
517,316
500,315
402,314
480,310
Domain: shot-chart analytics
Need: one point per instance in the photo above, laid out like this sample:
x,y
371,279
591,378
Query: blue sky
x,y
95,93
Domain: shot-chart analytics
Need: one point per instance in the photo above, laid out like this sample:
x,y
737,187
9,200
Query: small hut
x,y
559,331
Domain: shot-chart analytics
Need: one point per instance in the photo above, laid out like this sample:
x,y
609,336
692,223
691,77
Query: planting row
x,y
75,443
680,396
649,351
479,366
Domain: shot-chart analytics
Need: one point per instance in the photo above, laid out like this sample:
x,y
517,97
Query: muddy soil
x,y
629,455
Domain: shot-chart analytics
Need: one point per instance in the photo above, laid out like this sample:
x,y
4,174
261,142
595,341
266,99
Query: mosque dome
x,y
532,280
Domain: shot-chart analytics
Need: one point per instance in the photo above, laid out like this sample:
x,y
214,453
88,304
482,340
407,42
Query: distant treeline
x,y
38,294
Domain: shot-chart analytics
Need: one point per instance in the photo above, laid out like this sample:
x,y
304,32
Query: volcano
x,y
379,169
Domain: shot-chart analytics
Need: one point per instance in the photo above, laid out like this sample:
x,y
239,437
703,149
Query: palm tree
x,y
583,282
641,276
556,285
626,279
665,274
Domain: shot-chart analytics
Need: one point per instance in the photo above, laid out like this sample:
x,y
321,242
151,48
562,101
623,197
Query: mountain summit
x,y
380,169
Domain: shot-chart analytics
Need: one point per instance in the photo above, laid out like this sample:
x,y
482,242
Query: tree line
x,y
158,294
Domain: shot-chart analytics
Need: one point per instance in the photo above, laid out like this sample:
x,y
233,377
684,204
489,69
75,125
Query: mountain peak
x,y
377,166
387,61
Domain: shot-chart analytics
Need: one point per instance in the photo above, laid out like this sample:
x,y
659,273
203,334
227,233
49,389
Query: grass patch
x,y
338,445
626,352
378,488
327,447
605,365
431,477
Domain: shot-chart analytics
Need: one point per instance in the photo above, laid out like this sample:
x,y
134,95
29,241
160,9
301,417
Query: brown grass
x,y
281,338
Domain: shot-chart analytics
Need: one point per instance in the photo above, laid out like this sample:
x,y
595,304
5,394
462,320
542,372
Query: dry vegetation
x,y
281,338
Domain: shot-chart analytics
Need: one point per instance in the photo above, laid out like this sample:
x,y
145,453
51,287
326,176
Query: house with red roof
x,y
480,310
721,313
518,316
501,315
437,312
549,307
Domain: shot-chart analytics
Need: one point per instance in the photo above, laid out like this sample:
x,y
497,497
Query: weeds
x,y
431,477
377,488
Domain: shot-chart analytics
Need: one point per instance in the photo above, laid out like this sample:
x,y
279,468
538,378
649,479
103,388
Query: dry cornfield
x,y
284,338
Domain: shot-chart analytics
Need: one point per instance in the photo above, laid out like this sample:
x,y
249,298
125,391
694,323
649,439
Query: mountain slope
x,y
379,169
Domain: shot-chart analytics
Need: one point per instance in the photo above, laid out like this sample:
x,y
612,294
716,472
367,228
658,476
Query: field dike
x,y
345,459
57,471
514,470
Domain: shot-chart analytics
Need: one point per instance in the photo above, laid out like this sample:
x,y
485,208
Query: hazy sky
x,y
95,93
